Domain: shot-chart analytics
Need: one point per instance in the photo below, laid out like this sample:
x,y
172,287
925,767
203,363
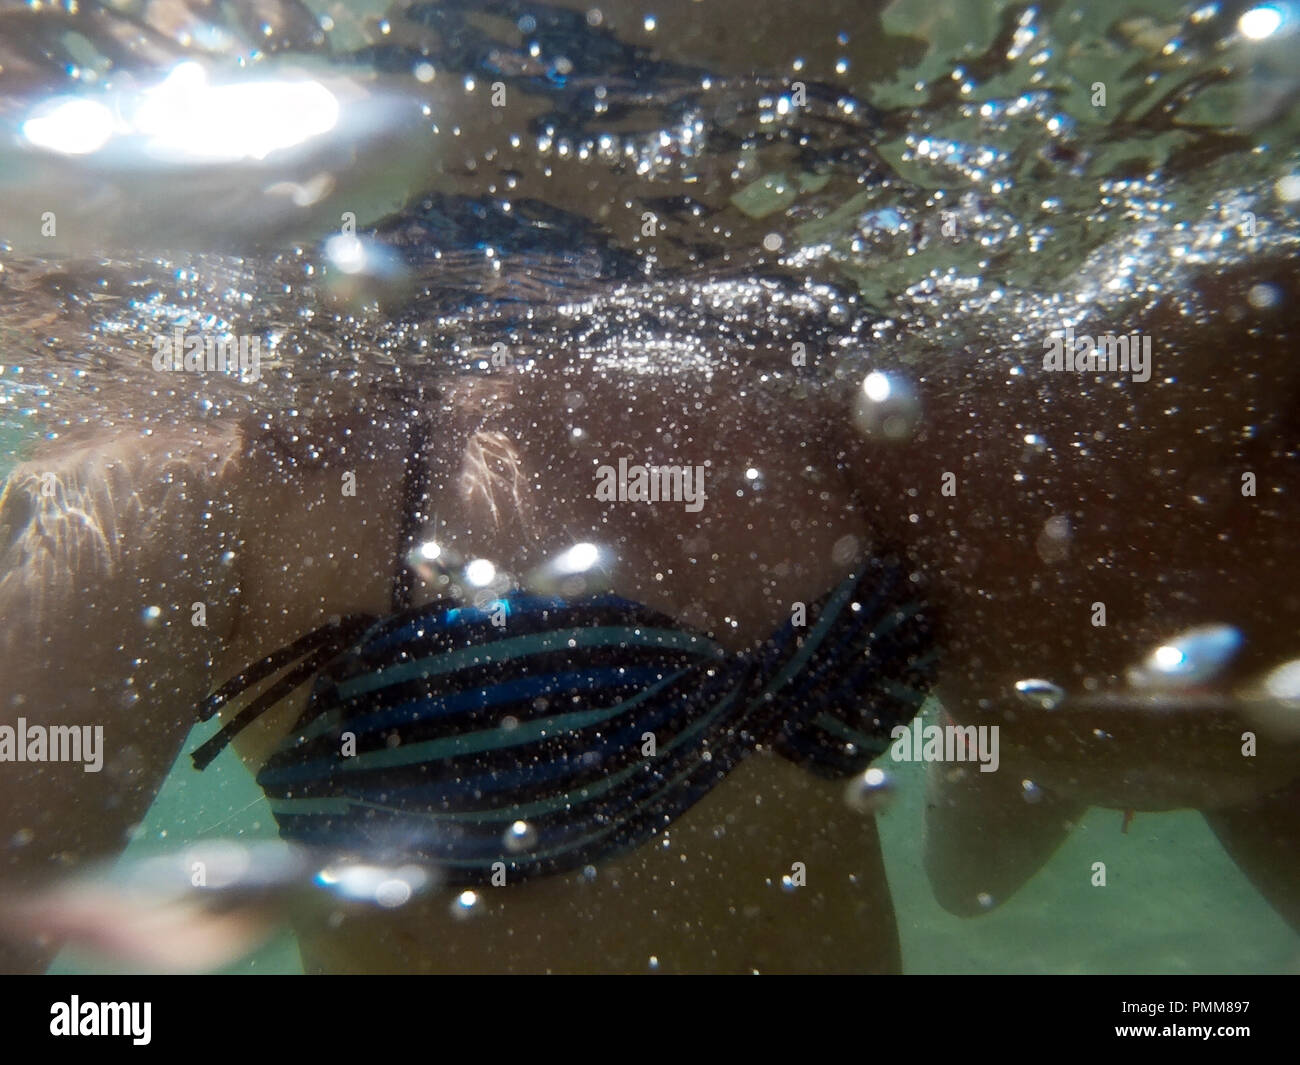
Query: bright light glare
x,y
184,119
70,126
876,386
578,559
347,253
187,119
1260,22
1169,658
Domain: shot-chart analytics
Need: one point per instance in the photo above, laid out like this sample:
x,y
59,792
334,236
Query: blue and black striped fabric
x,y
537,735
863,665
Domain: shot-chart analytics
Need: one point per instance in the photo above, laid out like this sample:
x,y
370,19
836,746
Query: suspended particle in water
x,y
1262,297
1053,543
844,551
1031,792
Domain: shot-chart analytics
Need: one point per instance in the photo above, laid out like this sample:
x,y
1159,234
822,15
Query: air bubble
x,y
1040,693
521,836
1262,297
465,904
887,408
1188,659
392,894
869,792
1284,681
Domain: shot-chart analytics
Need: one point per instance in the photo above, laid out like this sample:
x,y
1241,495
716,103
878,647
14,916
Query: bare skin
x,y
122,529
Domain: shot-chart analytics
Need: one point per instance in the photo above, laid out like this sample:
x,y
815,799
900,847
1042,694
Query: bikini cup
x,y
538,734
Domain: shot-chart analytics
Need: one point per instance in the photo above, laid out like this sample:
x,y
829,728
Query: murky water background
x,y
960,176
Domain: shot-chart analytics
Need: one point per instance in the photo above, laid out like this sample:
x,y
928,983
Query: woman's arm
x,y
118,587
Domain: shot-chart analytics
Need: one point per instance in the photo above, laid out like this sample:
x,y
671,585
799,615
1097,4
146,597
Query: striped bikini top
x,y
538,734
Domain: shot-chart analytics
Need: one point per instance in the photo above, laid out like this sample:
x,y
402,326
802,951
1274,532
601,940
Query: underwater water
x,y
826,250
